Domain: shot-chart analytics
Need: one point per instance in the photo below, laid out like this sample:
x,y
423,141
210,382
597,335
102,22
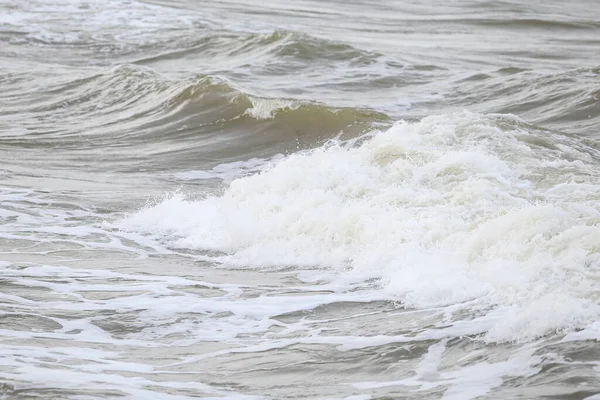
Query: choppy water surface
x,y
301,199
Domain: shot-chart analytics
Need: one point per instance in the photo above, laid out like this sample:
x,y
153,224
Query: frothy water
x,y
456,209
311,200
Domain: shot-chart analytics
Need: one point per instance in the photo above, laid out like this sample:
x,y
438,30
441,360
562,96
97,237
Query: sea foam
x,y
470,209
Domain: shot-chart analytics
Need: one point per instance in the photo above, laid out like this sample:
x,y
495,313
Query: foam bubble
x,y
460,208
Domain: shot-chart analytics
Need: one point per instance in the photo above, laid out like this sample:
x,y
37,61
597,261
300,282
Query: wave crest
x,y
130,103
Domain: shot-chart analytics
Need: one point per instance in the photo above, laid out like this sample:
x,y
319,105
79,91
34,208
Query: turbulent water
x,y
299,200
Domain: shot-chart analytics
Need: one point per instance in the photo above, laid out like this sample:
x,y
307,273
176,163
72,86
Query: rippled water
x,y
303,199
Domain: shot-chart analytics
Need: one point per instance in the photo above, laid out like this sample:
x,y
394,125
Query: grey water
x,y
299,200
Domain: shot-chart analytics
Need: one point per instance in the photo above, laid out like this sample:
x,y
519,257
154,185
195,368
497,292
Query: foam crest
x,y
460,208
266,108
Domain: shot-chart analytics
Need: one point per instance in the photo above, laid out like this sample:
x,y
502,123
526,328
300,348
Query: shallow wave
x,y
567,100
134,103
537,23
485,212
283,44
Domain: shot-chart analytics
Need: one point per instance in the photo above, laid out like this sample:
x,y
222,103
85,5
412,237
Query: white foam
x,y
455,208
462,382
266,108
228,172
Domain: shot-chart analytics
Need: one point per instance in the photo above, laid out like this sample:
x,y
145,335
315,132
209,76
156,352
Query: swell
x,y
130,105
567,100
279,43
537,23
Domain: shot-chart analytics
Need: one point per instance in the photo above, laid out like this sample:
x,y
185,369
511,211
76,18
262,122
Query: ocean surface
x,y
301,199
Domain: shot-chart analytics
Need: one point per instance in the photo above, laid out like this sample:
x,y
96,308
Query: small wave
x,y
483,211
568,100
537,23
142,91
179,120
282,45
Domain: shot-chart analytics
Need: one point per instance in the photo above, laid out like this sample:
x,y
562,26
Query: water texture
x,y
299,200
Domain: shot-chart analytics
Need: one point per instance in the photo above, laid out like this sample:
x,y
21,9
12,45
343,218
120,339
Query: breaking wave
x,y
486,212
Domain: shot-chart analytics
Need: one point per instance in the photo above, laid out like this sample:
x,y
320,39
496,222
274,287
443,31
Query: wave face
x,y
180,122
484,212
299,199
